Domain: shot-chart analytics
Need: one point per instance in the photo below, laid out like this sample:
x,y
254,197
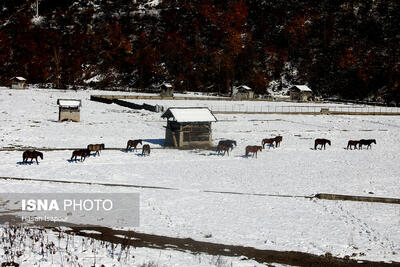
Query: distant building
x,y
242,92
188,127
18,83
69,110
167,90
300,93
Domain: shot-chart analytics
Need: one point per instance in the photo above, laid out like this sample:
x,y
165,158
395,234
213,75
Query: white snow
x,y
262,216
190,115
69,103
18,78
302,88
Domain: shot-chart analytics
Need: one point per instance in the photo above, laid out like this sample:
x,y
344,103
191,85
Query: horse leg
x,y
37,162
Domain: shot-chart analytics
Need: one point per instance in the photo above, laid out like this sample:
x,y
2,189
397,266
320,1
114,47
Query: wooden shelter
x,y
188,127
167,90
18,83
242,92
69,110
300,93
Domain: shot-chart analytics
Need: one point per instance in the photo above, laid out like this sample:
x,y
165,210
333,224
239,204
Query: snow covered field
x,y
362,230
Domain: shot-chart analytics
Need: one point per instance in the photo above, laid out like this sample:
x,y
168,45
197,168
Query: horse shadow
x,y
219,154
74,160
26,163
129,150
142,155
158,141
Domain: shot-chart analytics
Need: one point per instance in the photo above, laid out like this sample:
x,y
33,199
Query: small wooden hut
x,y
167,90
18,83
69,110
242,92
300,93
188,127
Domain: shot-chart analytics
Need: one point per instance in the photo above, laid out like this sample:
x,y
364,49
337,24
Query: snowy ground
x,y
369,230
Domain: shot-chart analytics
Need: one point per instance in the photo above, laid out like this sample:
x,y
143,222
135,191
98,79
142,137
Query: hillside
x,y
340,48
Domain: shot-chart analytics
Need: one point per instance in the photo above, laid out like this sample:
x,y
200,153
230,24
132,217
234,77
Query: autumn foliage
x,y
340,48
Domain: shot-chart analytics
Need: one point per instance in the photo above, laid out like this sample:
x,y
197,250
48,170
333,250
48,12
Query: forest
x,y
341,48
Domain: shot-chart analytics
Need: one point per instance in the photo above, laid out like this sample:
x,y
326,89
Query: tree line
x,y
344,48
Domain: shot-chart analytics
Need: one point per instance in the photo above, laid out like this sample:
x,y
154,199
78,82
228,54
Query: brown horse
x,y
352,143
83,153
223,148
366,142
269,141
97,148
146,150
133,143
278,140
321,142
253,149
28,154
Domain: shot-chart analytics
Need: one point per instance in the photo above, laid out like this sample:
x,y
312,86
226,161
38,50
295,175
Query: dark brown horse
x,y
278,140
366,142
321,142
253,149
133,144
29,154
97,148
146,150
83,153
352,143
269,141
228,143
223,148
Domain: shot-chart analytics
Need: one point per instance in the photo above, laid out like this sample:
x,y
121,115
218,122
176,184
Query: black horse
x,y
366,142
29,154
322,142
83,153
227,143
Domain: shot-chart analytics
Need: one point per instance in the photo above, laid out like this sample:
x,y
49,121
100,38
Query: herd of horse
x,y
224,146
82,154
